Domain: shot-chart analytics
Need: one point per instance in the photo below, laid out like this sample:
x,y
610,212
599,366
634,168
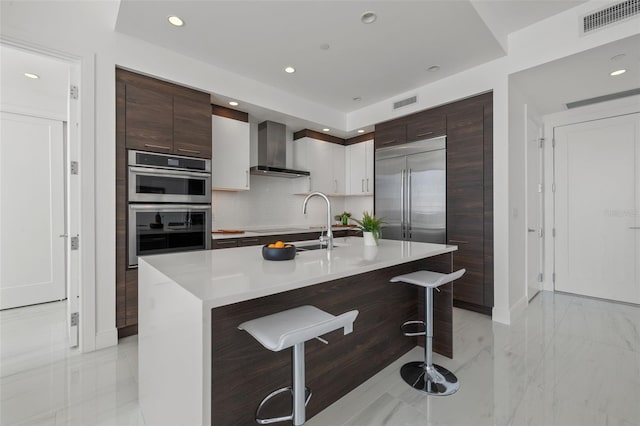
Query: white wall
x,y
88,31
548,40
517,195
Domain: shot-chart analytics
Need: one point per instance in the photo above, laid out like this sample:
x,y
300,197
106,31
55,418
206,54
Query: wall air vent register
x,y
609,15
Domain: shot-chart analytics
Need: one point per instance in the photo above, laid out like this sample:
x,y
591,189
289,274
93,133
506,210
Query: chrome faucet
x,y
304,211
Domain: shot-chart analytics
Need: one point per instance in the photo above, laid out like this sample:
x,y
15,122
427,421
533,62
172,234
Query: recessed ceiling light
x,y
368,17
233,103
175,21
360,131
31,75
617,72
290,70
357,99
326,129
433,68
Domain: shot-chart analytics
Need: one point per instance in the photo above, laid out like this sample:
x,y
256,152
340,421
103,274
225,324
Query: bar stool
x,y
426,376
291,328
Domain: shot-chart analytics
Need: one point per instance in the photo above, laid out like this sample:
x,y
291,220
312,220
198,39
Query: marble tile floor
x,y
565,361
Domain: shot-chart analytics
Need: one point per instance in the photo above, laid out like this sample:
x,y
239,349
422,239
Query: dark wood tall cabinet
x,y
468,125
155,116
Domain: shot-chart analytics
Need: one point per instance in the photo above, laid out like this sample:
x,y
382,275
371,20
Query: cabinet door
x,y
149,120
337,160
465,200
356,169
192,127
230,157
319,158
369,178
390,134
426,125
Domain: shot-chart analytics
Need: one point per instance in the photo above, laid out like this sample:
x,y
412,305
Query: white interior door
x,y
534,208
32,251
597,208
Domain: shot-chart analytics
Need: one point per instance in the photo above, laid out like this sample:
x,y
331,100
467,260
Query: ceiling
x,y
46,95
582,76
258,39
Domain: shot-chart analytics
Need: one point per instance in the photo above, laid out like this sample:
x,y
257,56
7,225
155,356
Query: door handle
x,y
634,227
63,235
362,185
531,230
459,242
367,184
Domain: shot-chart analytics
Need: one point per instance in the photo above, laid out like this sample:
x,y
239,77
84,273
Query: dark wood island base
x,y
244,372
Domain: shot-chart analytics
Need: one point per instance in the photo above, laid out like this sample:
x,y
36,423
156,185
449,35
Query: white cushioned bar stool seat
x,y
426,376
291,328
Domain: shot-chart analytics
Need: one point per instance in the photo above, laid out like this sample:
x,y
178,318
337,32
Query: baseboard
x,y
501,315
519,307
104,339
486,310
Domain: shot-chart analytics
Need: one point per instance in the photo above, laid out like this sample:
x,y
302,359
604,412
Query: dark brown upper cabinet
x,y
192,126
164,117
389,134
426,126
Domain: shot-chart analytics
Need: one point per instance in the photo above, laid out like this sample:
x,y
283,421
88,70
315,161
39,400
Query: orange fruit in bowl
x,y
271,245
279,244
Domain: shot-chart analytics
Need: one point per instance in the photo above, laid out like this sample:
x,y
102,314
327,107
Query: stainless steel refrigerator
x,y
410,190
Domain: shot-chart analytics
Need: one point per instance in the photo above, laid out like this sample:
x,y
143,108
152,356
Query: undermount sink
x,y
311,247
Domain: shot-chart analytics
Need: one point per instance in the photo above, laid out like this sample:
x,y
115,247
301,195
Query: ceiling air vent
x,y
405,102
604,98
610,15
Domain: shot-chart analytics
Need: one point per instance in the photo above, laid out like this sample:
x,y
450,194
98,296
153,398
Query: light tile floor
x,y
566,361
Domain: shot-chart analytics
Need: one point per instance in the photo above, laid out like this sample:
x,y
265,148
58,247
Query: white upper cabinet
x,y
325,161
230,160
359,168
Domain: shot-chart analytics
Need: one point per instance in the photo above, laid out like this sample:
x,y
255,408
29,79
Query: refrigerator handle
x,y
402,204
409,207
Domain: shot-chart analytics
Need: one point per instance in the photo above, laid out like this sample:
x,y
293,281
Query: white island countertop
x,y
225,276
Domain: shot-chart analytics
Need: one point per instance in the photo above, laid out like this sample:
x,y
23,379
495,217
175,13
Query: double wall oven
x,y
169,204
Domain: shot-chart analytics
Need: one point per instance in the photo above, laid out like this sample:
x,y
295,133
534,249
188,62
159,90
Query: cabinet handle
x,y
387,142
309,183
459,242
335,184
149,145
190,151
246,172
362,185
424,134
367,184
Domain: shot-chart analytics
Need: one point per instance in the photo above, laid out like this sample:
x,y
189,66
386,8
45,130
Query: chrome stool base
x,y
434,380
276,393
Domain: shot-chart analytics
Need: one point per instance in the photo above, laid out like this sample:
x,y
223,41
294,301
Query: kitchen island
x,y
197,368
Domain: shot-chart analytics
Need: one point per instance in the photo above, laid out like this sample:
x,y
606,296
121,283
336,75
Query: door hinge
x,y
75,242
74,167
553,142
75,318
541,140
540,187
73,92
540,277
553,277
540,233
553,232
553,187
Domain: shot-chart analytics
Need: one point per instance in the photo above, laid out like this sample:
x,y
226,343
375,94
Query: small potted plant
x,y
343,218
371,227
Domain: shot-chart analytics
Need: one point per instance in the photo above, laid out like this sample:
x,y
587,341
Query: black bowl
x,y
285,253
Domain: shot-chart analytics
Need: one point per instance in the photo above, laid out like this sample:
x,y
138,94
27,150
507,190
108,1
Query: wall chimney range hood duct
x,y
272,152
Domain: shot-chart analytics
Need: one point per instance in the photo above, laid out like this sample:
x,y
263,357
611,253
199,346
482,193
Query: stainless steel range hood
x,y
272,152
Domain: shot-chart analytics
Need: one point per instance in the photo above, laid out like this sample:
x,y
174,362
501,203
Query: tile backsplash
x,y
272,202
